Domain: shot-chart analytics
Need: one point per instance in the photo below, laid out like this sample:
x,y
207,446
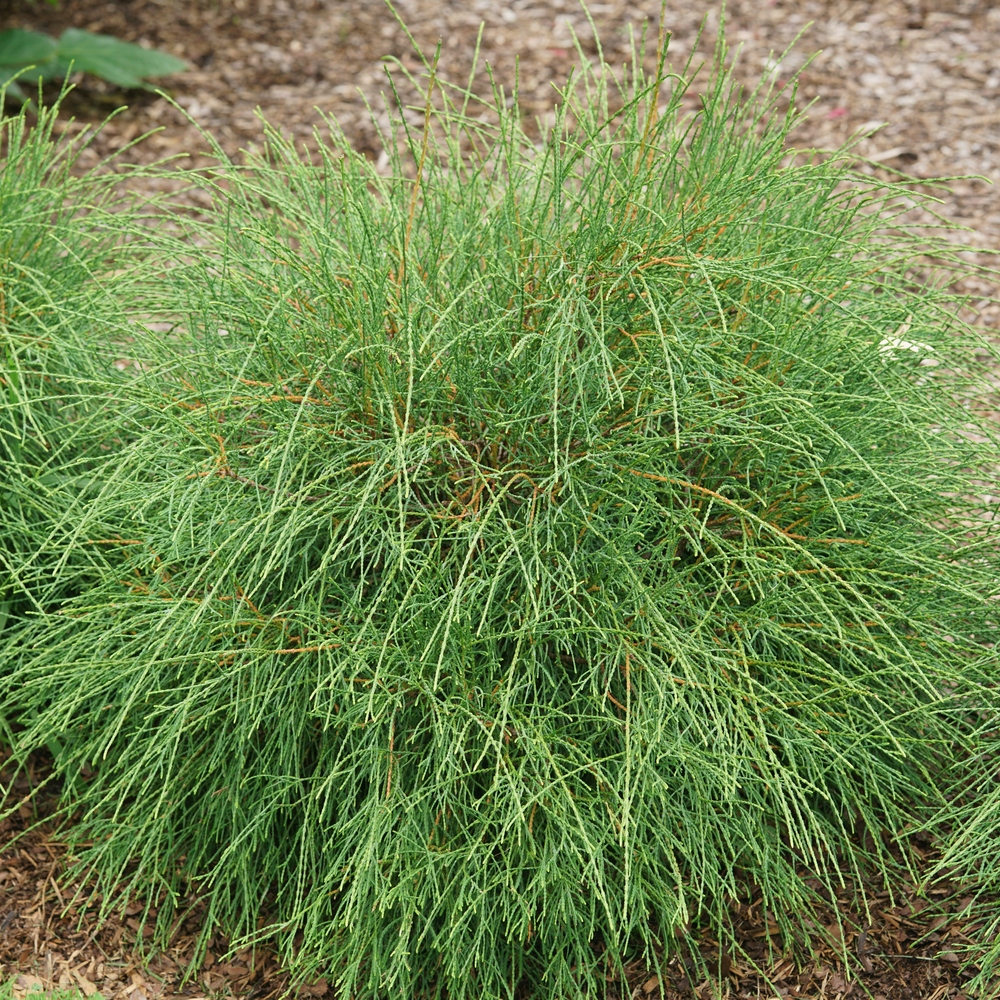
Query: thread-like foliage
x,y
60,228
510,559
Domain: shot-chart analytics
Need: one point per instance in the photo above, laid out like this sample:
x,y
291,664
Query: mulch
x,y
900,944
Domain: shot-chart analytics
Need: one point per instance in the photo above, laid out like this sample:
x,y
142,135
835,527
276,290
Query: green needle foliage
x,y
59,228
971,857
7,993
972,817
510,559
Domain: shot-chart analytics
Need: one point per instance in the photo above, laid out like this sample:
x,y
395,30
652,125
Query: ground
x,y
925,68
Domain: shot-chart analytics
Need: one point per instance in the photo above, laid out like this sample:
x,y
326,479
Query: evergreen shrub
x,y
60,231
517,554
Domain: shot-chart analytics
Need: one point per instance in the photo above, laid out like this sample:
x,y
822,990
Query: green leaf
x,y
23,48
118,62
51,70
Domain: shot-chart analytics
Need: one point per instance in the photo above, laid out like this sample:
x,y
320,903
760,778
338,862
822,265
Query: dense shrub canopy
x,y
506,561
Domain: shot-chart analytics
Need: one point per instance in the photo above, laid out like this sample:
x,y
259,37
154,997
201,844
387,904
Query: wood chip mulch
x,y
902,948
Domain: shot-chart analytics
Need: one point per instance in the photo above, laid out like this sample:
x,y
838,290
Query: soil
x,y
902,944
925,69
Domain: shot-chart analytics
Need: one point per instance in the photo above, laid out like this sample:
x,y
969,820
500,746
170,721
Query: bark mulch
x,y
901,947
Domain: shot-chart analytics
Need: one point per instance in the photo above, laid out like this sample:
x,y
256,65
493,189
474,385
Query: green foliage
x,y
972,814
503,562
58,324
7,993
30,57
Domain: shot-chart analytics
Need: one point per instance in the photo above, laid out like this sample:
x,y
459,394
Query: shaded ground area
x,y
902,948
927,68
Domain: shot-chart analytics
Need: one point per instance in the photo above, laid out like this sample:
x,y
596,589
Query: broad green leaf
x,y
118,62
51,70
19,47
